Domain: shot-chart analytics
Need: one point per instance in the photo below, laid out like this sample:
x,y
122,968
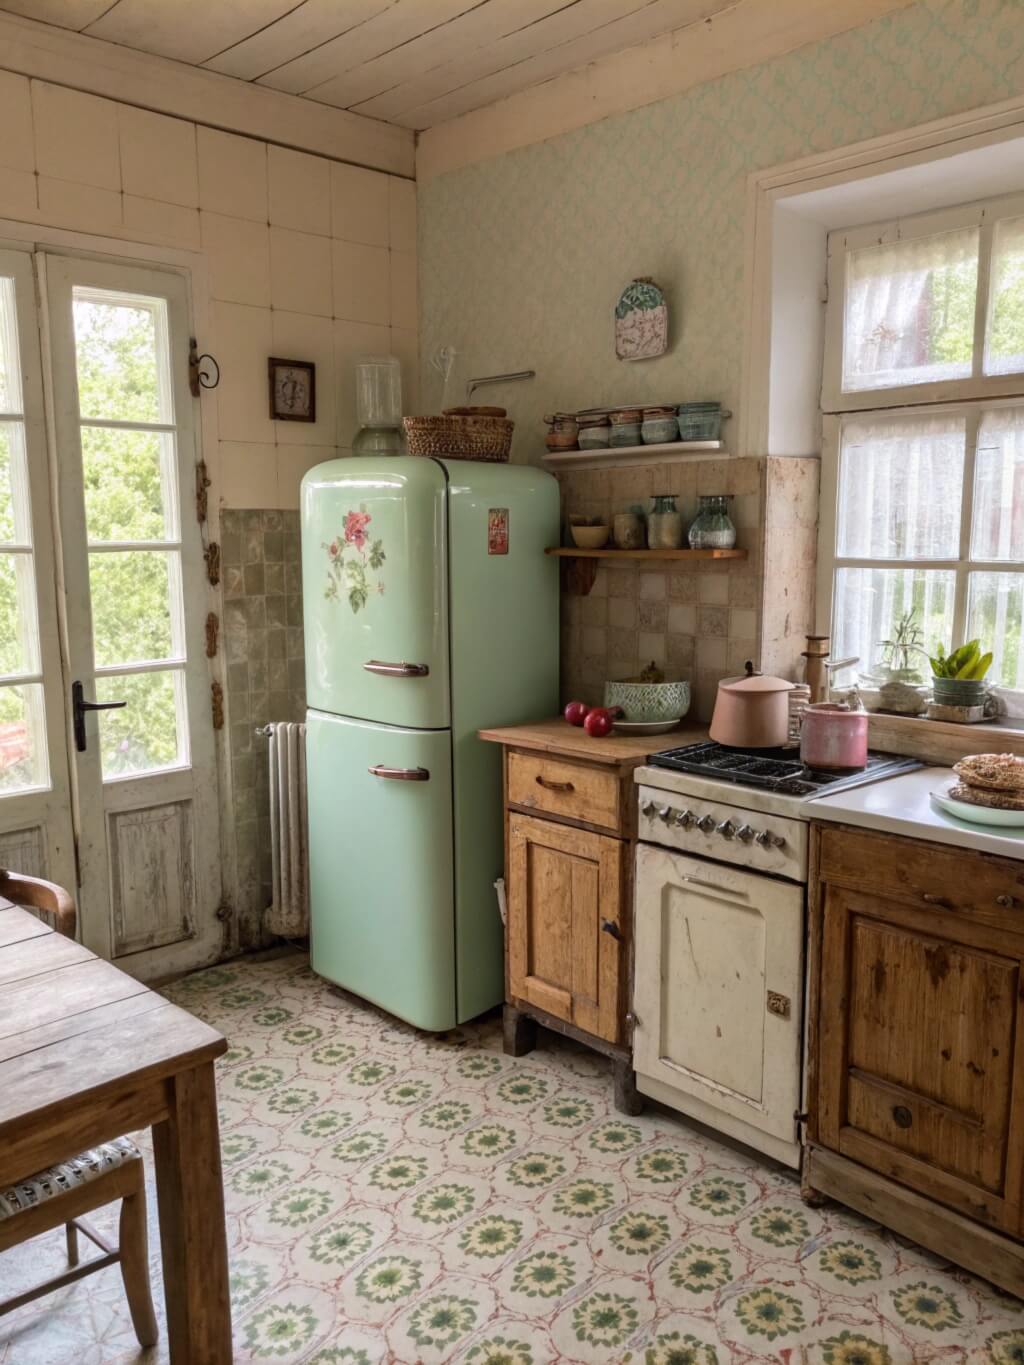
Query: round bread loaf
x,y
987,796
997,772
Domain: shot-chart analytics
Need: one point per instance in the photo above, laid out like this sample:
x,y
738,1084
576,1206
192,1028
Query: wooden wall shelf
x,y
581,574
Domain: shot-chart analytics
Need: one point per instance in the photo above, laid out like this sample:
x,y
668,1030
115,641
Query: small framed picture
x,y
292,390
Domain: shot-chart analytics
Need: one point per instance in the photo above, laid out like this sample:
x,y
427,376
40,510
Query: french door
x,y
107,761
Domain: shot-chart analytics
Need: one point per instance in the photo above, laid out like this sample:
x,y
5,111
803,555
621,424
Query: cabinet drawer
x,y
572,790
990,890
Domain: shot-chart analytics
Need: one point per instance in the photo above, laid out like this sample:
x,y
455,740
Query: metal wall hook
x,y
497,379
199,375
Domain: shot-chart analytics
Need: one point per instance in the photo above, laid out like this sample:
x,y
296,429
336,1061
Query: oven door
x,y
718,996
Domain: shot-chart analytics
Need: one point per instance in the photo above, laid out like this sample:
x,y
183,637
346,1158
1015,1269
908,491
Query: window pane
x,y
994,615
998,531
10,366
910,311
15,526
129,488
136,606
23,761
1004,340
19,638
867,604
900,488
121,351
147,733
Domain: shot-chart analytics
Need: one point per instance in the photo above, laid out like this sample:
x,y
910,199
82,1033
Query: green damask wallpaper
x,y
522,257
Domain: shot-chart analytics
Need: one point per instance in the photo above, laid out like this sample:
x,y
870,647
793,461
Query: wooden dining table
x,y
87,1053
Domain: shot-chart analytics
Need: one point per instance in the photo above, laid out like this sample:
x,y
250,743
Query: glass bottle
x,y
379,406
664,524
712,528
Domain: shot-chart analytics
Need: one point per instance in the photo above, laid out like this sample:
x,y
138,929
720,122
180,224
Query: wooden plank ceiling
x,y
415,63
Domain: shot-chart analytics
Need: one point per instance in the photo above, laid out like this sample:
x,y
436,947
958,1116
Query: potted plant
x,y
898,677
958,678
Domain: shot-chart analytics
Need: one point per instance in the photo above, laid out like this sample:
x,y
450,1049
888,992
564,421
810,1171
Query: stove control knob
x,y
769,840
663,813
726,829
683,818
745,834
647,808
706,824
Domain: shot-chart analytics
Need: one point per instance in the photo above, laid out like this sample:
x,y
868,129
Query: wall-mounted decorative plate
x,y
641,322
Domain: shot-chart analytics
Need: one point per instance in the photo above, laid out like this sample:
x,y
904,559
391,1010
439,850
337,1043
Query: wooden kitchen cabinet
x,y
916,1047
570,822
564,936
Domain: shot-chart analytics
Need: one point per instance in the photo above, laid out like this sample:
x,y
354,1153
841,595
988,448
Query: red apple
x,y
599,722
576,712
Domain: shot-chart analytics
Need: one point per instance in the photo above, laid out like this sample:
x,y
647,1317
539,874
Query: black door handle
x,y
79,706
611,928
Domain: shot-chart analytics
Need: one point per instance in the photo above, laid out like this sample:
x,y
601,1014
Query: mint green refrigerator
x,y
431,611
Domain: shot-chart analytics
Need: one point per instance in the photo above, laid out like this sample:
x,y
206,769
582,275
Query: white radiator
x,y
289,913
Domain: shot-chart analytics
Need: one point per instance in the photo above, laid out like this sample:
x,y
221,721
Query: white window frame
x,y
969,396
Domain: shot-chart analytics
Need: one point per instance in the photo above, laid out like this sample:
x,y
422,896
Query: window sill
x,y
942,742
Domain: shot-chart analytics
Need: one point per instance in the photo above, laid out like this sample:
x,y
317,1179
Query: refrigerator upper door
x,y
380,865
375,590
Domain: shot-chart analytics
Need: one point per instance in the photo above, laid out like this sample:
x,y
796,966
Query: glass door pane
x,y
132,523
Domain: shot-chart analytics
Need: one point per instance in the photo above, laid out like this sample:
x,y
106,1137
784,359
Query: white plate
x,y
979,815
646,727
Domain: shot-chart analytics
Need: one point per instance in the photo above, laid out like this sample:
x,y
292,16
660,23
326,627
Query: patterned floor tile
x,y
400,1199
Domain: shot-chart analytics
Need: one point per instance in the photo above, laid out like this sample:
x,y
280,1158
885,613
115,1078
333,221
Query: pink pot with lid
x,y
834,738
752,711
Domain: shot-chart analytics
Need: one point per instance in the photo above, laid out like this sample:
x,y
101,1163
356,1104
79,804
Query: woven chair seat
x,y
66,1175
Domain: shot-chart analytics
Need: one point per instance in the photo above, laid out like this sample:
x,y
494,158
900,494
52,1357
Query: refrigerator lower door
x,y
381,865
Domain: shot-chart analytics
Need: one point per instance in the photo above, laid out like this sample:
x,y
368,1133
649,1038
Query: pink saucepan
x,y
834,738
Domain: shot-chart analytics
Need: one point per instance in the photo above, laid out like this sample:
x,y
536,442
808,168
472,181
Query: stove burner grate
x,y
770,769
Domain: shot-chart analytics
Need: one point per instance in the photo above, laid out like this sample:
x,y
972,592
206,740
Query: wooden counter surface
x,y
557,737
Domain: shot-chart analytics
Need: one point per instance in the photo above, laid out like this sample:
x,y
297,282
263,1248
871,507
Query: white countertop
x,y
903,805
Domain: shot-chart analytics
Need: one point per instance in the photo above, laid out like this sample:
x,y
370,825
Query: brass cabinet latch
x,y
779,1004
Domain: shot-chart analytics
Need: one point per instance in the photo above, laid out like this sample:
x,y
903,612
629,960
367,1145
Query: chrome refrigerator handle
x,y
397,670
400,774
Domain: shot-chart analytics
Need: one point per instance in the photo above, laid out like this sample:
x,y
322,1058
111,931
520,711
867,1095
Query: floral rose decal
x,y
350,558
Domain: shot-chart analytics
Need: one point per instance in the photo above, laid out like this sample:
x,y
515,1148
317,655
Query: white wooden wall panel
x,y
152,876
24,850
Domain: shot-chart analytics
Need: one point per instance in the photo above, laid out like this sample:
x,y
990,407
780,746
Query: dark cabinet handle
x,y
607,927
554,786
901,1116
1007,902
942,901
79,706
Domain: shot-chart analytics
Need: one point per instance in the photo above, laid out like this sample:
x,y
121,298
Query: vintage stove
x,y
720,936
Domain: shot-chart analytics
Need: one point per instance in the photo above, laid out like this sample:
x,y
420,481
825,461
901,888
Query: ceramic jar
x,y
712,528
563,431
628,531
625,427
594,433
664,524
700,421
659,426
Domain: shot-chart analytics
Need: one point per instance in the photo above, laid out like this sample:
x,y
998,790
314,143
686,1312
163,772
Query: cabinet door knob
x,y
554,786
901,1116
1007,902
608,927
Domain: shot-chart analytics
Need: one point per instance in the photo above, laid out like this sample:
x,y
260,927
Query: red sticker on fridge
x,y
497,531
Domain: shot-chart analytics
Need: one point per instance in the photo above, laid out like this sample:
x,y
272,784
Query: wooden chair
x,y
64,1193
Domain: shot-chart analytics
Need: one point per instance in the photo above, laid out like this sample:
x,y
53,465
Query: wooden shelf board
x,y
608,457
569,552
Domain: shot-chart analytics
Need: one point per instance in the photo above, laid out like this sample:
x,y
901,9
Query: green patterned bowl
x,y
643,701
